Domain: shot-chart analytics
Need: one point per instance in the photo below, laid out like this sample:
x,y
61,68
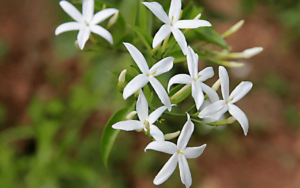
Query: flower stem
x,y
180,92
165,44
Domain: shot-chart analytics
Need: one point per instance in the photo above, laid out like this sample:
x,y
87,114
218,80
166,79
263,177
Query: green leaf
x,y
141,16
191,11
209,35
144,36
109,134
126,38
178,55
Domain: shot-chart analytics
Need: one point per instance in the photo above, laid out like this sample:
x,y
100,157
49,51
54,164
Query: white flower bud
x,y
113,20
216,85
122,78
233,29
232,64
252,52
170,136
197,17
131,115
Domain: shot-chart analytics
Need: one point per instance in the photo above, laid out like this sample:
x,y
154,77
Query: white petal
x,y
156,133
192,64
197,94
128,125
137,57
102,15
179,37
166,171
193,152
83,36
142,107
161,34
212,94
102,32
224,78
88,9
185,134
184,169
161,92
162,66
179,79
240,116
156,114
162,146
71,10
206,73
212,108
217,115
69,26
158,11
135,84
191,24
175,9
240,91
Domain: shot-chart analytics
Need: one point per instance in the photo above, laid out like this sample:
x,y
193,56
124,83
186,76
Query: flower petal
x,y
158,11
162,146
179,37
224,78
192,64
69,26
212,109
167,170
102,15
206,73
180,79
175,9
240,116
156,133
71,10
212,94
83,36
184,169
102,32
191,24
161,92
185,134
161,34
142,107
88,9
240,91
162,66
128,125
156,114
137,57
193,152
135,84
197,94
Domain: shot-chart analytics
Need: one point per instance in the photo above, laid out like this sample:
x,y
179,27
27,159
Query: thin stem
x,y
178,93
191,108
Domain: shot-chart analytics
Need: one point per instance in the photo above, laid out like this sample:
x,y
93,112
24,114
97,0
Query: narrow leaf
x,y
209,35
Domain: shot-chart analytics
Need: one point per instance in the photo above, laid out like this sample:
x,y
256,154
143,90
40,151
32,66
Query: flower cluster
x,y
201,92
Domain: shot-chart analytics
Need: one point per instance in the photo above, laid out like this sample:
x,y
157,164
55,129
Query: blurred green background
x,y
55,101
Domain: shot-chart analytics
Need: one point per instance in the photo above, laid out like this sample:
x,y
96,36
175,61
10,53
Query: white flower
x,y
195,79
172,23
85,22
148,75
179,154
218,108
145,121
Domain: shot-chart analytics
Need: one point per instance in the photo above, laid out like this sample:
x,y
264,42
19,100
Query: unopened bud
x,y
122,79
77,45
113,20
131,115
170,136
232,64
216,85
103,6
248,53
233,29
227,121
252,52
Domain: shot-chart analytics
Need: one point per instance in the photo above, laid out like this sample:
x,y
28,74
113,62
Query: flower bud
x,y
113,20
232,64
248,53
216,85
103,6
233,29
170,136
131,115
122,79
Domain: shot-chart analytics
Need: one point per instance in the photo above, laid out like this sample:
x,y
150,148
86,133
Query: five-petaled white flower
x,y
179,155
85,22
148,75
173,24
195,79
145,121
218,108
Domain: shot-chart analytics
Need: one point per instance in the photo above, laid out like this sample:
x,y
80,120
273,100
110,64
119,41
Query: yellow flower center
x,y
152,73
179,152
